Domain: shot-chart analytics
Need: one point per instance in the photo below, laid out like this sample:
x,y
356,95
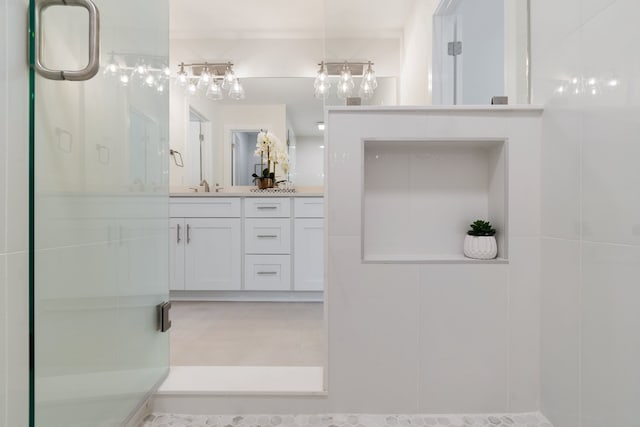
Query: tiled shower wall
x,y
13,214
586,72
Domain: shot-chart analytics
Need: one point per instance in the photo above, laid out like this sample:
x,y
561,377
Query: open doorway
x,y
244,161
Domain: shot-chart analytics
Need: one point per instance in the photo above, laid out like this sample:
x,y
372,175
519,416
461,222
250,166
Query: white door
x,y
176,253
212,254
309,254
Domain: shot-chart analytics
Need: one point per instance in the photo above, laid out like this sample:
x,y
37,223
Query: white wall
x,y
590,209
417,43
309,167
14,285
421,338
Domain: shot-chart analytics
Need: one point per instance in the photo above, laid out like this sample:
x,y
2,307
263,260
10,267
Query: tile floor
x,y
247,334
342,420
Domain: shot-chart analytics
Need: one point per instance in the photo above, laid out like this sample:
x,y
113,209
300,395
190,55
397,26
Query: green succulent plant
x,y
481,228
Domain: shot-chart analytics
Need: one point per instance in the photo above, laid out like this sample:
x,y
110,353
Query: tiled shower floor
x,y
333,420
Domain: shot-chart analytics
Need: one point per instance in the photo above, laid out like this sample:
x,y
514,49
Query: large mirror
x,y
276,50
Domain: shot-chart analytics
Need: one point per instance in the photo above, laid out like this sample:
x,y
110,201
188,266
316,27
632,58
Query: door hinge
x,y
164,322
454,48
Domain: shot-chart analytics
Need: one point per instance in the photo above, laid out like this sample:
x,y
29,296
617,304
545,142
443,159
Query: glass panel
x,y
100,216
480,50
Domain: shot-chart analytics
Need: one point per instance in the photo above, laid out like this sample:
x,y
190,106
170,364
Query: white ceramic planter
x,y
480,247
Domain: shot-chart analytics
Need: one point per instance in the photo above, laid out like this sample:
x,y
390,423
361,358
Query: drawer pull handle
x,y
178,234
267,236
267,273
188,234
267,207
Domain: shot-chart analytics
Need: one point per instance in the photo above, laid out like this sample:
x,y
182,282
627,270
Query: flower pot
x,y
480,247
264,183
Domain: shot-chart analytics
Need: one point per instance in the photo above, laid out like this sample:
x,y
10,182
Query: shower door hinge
x,y
454,48
164,323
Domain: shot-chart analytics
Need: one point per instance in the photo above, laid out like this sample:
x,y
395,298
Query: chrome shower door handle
x,y
93,66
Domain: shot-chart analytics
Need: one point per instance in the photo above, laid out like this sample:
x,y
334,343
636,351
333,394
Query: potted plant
x,y
480,241
269,146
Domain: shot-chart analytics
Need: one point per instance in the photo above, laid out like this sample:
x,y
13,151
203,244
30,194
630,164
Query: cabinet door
x,y
309,255
212,254
176,254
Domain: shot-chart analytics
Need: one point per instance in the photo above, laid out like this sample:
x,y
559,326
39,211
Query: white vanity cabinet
x,y
206,246
309,244
269,247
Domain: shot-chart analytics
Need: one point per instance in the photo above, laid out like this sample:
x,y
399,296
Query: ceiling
x,y
287,18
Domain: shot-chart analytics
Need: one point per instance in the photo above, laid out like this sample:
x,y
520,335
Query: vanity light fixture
x,y
146,70
210,78
345,72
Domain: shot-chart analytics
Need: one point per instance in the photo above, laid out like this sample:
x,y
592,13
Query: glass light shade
x,y
166,71
366,90
204,80
237,91
345,88
322,90
124,79
192,89
112,67
150,80
346,77
370,79
140,71
182,78
322,77
229,78
215,91
160,87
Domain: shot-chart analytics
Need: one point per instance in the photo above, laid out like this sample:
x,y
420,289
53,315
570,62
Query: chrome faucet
x,y
206,186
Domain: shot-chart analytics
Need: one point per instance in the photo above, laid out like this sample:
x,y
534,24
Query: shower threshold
x,y
244,380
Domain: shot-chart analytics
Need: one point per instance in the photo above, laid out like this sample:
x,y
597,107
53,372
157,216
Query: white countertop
x,y
245,191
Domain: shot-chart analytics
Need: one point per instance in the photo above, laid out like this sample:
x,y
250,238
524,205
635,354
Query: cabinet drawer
x,y
309,207
267,236
204,207
271,207
267,273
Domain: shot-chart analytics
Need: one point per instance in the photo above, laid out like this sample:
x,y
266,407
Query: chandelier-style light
x,y
211,79
344,71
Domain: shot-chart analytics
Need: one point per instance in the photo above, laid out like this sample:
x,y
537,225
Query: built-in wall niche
x,y
421,195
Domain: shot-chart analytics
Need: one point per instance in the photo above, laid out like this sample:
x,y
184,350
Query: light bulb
x,y
344,89
150,80
322,89
229,77
112,67
124,79
166,71
192,89
237,91
205,79
160,88
215,91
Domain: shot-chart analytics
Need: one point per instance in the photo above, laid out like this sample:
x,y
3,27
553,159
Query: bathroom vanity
x,y
238,245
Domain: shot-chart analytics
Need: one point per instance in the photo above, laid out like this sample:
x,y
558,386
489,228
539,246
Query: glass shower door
x,y
99,209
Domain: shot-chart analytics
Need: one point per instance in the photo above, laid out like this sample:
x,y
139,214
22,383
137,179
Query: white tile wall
x,y
13,215
590,208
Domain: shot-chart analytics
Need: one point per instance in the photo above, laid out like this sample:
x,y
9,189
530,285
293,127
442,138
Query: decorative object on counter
x,y
273,190
270,147
480,241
